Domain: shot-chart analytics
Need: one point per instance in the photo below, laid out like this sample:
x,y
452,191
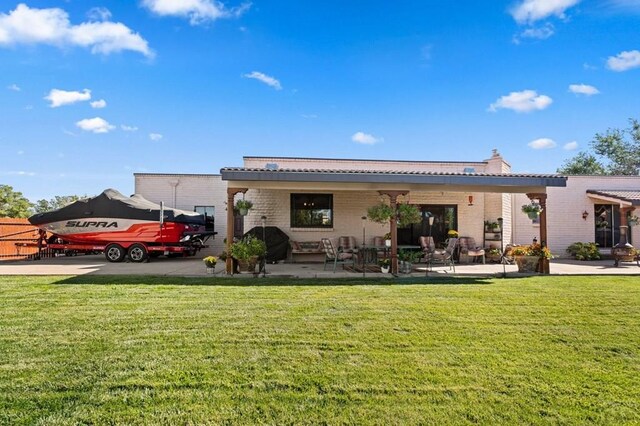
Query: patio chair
x,y
467,246
445,256
428,246
347,244
331,255
379,242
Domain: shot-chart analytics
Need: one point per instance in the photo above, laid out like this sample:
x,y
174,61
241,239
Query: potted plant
x,y
406,259
243,206
247,251
532,210
602,224
384,264
452,233
528,258
387,239
633,220
380,213
493,255
210,263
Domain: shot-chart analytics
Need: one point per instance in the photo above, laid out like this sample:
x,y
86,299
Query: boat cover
x,y
112,204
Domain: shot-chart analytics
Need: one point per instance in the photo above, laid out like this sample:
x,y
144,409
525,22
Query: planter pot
x,y
384,269
533,215
248,265
387,243
528,263
243,212
211,268
495,229
493,258
405,267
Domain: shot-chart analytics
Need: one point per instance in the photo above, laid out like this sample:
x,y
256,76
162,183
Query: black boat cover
x,y
112,204
277,241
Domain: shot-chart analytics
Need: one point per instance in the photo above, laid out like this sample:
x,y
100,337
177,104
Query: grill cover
x,y
277,241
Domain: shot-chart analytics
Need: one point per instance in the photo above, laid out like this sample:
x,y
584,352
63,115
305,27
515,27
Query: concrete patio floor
x,y
97,265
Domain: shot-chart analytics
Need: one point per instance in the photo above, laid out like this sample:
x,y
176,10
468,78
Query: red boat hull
x,y
106,230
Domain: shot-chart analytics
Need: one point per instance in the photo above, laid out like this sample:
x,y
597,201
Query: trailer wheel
x,y
114,253
138,253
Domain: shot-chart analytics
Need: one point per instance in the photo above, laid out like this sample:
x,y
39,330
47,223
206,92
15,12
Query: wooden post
x,y
231,193
542,199
393,201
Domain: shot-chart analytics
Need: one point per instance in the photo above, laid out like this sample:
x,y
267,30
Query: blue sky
x,y
93,91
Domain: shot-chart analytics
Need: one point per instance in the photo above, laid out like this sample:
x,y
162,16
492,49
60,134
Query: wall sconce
x,y
585,215
470,200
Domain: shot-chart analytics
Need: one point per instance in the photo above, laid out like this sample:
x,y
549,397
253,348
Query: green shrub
x,y
584,251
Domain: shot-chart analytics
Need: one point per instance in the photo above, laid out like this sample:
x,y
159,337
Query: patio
x,y
96,264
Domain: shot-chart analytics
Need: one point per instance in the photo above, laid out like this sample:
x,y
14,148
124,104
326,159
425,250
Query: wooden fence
x,y
18,239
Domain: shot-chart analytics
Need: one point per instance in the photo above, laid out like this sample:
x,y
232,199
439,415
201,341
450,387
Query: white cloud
x,y
542,143
624,61
198,11
59,97
525,101
540,33
583,89
19,173
95,125
98,104
128,128
365,138
14,87
25,25
266,79
20,152
529,11
155,136
570,146
99,14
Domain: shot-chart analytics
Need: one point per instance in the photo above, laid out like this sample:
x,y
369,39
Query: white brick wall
x,y
190,191
564,212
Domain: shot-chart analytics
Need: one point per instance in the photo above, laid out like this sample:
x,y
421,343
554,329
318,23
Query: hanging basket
x,y
533,215
243,212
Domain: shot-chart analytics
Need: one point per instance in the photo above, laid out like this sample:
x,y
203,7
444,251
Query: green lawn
x,y
146,350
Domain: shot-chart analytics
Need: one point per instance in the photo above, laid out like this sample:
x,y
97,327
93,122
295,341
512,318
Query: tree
x,y
617,151
13,203
582,164
55,203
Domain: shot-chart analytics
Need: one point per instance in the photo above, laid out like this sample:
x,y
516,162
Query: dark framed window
x,y
311,210
210,211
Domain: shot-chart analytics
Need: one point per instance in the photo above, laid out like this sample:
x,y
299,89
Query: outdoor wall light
x,y
585,215
470,200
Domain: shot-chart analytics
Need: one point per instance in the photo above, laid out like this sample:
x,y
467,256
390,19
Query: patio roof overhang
x,y
358,180
624,198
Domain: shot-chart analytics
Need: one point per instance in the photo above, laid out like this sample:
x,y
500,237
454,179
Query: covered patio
x,y
360,186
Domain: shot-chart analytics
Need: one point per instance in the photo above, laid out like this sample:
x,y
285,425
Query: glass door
x,y
607,225
445,218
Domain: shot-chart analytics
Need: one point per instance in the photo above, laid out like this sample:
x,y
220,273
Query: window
x,y
209,215
206,210
311,210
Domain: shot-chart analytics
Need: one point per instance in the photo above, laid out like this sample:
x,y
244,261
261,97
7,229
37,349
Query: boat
x,y
113,220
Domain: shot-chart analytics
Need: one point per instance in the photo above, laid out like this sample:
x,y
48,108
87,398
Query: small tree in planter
x,y
405,213
243,206
247,251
